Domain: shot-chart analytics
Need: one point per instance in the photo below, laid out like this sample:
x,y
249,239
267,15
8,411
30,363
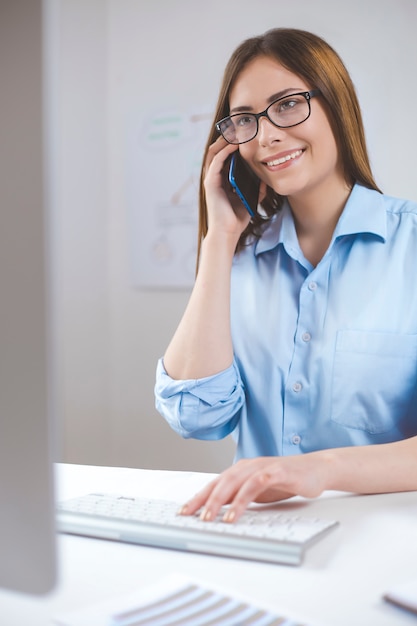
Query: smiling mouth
x,y
284,159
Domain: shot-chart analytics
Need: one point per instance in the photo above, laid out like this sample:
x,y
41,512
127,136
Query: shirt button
x,y
312,286
296,439
306,337
297,387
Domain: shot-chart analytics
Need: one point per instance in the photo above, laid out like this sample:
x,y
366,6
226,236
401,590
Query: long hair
x,y
312,59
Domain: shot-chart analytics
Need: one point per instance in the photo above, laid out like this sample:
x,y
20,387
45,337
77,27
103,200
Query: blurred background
x,y
131,88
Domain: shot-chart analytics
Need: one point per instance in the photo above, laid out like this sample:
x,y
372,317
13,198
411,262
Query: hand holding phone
x,y
244,182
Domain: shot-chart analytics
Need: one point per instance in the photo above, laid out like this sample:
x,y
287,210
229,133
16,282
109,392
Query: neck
x,y
316,215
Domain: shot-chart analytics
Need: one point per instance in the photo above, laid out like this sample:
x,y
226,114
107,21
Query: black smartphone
x,y
245,182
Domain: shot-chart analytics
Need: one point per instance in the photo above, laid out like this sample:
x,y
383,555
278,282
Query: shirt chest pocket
x,y
374,378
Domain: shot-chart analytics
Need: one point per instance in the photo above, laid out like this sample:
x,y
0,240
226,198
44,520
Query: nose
x,y
268,132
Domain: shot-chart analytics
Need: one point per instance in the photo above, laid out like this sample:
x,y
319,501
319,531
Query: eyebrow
x,y
275,96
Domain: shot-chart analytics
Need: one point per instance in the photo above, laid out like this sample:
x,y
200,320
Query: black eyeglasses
x,y
285,112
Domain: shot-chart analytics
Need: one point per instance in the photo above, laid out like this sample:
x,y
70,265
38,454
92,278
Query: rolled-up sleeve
x,y
205,408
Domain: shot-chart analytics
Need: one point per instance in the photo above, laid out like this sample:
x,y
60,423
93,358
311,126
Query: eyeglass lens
x,y
285,112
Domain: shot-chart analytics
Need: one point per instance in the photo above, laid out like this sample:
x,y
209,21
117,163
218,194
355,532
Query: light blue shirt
x,y
324,356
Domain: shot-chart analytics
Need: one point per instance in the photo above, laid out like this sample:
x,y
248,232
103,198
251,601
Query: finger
x,y
217,154
253,487
218,145
198,500
214,149
225,488
265,485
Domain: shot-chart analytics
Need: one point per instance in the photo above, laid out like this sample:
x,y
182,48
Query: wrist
x,y
221,241
330,469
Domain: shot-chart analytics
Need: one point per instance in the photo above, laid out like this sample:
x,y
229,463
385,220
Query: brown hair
x,y
314,60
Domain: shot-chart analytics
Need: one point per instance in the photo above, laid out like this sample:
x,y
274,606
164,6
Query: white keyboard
x,y
261,533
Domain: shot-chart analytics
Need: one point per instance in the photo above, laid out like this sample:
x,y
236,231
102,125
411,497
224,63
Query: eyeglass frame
x,y
307,95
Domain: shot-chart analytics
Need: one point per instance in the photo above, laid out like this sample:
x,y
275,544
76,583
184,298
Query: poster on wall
x,y
164,164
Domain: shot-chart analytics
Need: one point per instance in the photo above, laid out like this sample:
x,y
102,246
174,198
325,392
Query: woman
x,y
300,336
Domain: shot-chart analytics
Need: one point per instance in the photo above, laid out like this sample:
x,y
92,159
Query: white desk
x,y
339,584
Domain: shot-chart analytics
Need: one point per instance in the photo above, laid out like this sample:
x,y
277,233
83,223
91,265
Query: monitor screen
x,y
27,527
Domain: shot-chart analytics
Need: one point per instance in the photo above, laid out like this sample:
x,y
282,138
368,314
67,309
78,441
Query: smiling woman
x,y
305,147
291,341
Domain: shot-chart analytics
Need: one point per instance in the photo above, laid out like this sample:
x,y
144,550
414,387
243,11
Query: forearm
x,y
380,468
202,344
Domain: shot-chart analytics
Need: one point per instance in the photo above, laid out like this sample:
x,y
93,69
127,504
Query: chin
x,y
287,190
292,188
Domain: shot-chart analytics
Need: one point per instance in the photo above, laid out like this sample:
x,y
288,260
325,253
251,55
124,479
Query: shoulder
x,y
399,206
370,197
370,211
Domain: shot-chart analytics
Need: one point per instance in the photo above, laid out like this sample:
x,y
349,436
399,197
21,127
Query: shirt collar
x,y
364,212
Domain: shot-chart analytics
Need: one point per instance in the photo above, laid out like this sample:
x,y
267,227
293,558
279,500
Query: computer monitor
x,y
27,526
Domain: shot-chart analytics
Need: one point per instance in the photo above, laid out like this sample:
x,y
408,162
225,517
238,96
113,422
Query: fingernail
x,y
229,516
205,515
183,510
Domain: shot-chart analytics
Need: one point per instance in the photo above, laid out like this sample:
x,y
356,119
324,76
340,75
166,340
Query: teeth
x,y
293,155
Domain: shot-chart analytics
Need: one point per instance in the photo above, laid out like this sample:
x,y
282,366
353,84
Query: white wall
x,y
116,59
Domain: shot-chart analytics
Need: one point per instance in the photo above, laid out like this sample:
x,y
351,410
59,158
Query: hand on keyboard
x,y
263,479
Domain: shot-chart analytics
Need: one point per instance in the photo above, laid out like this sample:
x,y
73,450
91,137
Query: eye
x,y
287,105
244,120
